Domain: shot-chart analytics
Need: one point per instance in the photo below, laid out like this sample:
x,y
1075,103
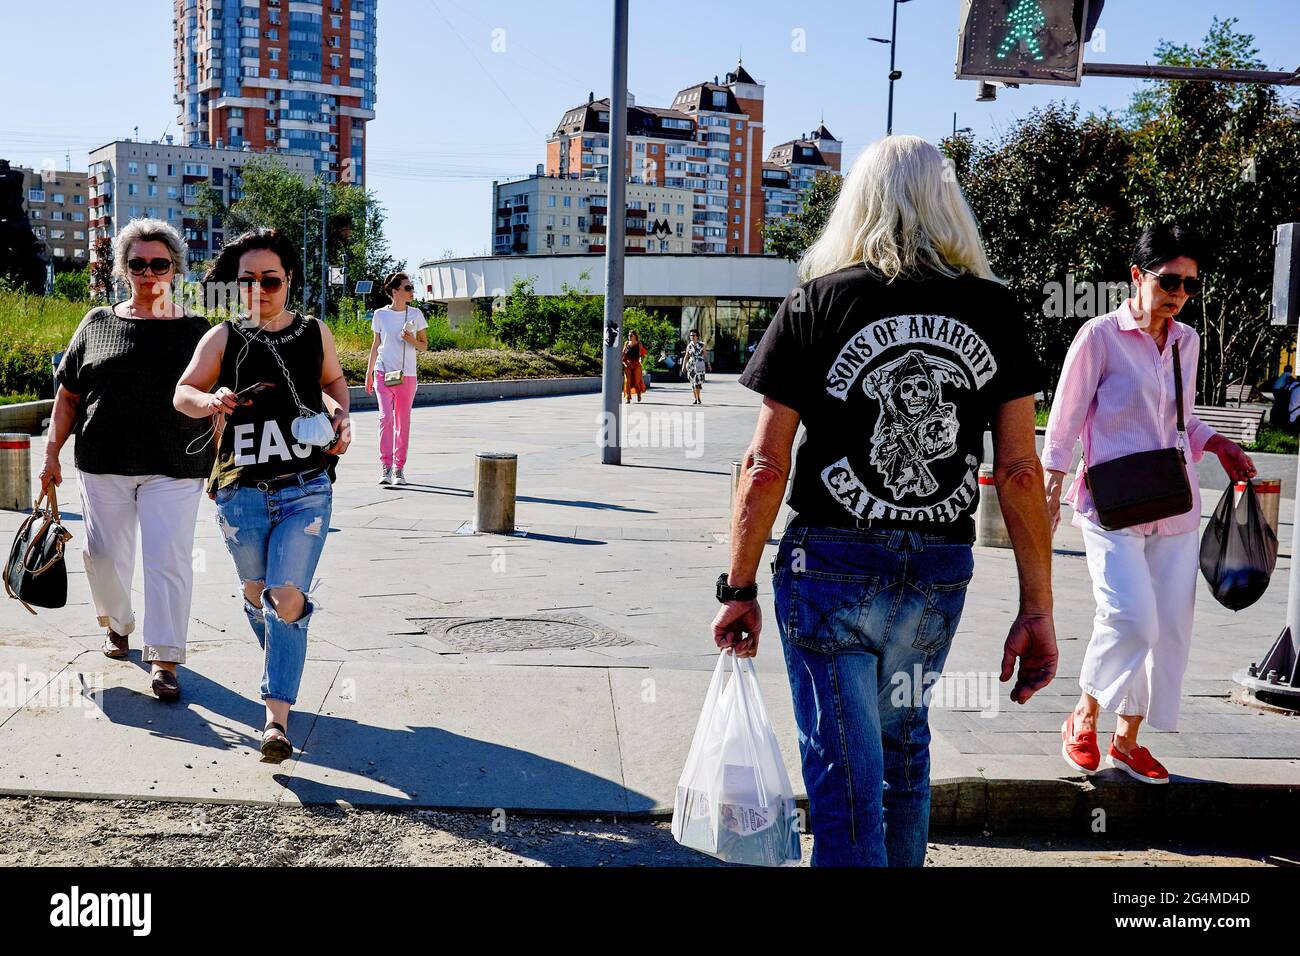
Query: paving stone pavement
x,y
558,669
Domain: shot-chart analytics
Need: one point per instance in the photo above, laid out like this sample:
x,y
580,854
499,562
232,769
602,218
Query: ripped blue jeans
x,y
275,537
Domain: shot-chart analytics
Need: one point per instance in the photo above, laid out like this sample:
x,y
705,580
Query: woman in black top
x,y
140,463
895,355
274,373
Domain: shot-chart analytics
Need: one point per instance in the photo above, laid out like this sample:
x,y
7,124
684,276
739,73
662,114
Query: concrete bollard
x,y
16,472
494,492
1269,493
990,529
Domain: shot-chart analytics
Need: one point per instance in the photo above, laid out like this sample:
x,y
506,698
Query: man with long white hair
x,y
896,353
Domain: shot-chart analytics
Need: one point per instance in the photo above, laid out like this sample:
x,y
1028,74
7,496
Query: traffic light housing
x,y
1025,41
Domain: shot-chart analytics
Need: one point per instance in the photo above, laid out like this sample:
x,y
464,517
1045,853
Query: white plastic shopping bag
x,y
734,799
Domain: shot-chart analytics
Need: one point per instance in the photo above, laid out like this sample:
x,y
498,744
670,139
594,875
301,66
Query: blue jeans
x,y
275,538
866,620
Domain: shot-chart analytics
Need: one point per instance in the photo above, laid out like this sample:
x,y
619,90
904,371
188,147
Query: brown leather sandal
x,y
276,747
166,687
115,645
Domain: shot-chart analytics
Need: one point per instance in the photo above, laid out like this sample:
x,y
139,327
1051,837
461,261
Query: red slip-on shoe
x,y
1138,764
1080,750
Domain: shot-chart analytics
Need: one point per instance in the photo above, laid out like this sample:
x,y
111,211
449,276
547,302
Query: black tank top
x,y
257,442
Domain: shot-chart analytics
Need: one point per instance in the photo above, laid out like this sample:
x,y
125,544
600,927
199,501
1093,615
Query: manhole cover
x,y
495,635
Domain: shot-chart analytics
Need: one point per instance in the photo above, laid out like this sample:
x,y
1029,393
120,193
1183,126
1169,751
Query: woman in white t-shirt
x,y
390,373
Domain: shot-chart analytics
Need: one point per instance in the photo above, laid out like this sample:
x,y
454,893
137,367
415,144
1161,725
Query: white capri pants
x,y
1145,588
164,509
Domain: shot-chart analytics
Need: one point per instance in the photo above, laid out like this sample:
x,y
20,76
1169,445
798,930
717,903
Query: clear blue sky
x,y
455,111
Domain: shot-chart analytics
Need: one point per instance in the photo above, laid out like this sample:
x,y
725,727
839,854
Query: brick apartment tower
x,y
709,141
291,76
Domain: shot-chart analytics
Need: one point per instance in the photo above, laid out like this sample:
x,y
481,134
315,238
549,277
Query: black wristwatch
x,y
727,593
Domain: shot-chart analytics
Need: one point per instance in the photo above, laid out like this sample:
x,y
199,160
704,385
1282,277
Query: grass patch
x,y
16,399
1273,440
33,328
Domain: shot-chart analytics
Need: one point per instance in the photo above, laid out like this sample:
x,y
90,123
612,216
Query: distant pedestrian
x,y
895,354
696,364
1116,392
140,463
267,374
400,333
633,379
1284,399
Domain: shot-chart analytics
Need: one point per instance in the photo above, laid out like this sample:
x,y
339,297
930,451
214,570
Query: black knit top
x,y
125,371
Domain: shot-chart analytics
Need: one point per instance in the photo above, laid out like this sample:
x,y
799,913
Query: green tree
x,y
790,237
1222,158
274,197
1050,200
74,285
656,333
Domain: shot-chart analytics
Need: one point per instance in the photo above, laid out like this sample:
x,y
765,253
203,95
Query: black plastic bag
x,y
1238,550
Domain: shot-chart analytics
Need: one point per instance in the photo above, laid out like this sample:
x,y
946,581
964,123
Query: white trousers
x,y
1145,588
164,509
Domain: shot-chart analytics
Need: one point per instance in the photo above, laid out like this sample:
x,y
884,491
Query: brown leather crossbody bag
x,y
1145,486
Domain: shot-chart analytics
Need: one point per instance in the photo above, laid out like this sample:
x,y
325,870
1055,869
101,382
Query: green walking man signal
x,y
1025,22
1024,41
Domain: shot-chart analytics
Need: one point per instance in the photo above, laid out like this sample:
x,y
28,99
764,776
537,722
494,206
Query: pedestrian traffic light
x,y
1024,41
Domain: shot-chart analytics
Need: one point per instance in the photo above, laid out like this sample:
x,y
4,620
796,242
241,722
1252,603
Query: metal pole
x,y
1293,586
1144,71
324,258
305,272
893,45
615,227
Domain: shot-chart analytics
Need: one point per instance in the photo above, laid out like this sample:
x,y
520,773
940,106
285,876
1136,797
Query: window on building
x,y
133,168
568,202
36,195
550,201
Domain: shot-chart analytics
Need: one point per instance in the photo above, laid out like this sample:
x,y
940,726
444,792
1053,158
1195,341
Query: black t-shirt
x,y
896,384
257,441
125,371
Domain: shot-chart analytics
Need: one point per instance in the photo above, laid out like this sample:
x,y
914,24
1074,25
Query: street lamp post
x,y
894,73
955,130
615,226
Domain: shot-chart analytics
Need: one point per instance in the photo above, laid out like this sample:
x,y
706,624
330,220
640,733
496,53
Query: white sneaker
x,y
387,477
399,479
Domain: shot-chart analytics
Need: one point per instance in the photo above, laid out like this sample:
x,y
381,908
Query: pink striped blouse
x,y
1116,392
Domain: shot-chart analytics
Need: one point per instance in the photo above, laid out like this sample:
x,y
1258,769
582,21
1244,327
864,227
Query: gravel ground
x,y
43,832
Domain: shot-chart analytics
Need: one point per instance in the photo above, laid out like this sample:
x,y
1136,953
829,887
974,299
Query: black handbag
x,y
1145,486
35,572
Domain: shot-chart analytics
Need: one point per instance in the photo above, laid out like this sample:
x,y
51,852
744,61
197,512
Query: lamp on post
x,y
955,130
894,73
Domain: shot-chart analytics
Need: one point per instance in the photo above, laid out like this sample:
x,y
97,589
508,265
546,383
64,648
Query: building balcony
x,y
595,229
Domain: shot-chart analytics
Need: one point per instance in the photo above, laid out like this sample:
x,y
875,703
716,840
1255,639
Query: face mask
x,y
313,429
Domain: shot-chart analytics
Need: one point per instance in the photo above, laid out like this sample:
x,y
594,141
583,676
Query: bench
x,y
1237,395
1238,424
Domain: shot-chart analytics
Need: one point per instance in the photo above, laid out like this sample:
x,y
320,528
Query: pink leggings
x,y
394,419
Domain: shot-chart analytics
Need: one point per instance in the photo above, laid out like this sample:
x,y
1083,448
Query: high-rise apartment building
x,y
130,180
791,168
294,76
57,203
710,142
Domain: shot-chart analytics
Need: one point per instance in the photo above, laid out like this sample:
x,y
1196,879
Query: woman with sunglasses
x,y
390,372
1116,392
136,473
268,378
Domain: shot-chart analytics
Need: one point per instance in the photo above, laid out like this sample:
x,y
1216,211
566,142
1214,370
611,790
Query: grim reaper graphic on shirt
x,y
915,426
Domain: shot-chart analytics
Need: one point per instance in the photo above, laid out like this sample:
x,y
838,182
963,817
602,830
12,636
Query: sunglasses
x,y
267,283
1172,282
158,266
407,288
